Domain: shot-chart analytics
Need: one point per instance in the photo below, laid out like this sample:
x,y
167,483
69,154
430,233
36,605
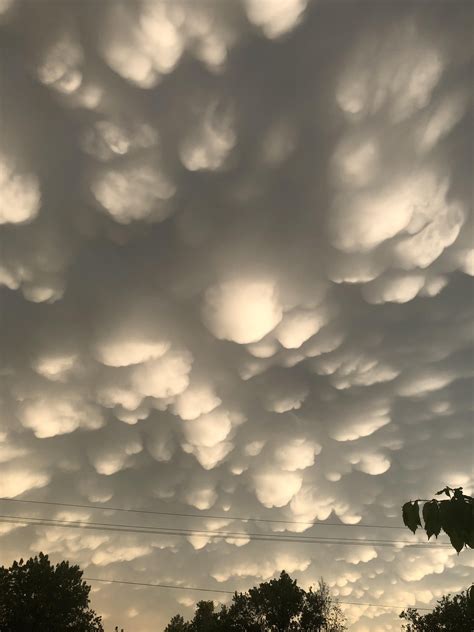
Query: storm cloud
x,y
236,260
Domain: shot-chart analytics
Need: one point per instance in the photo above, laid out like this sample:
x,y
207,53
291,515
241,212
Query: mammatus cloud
x,y
235,267
242,311
21,195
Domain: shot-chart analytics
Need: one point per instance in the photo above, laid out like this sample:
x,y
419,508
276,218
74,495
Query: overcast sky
x,y
235,267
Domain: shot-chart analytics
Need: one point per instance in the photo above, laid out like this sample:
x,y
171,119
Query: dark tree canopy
x,y
177,624
454,516
454,613
36,596
278,605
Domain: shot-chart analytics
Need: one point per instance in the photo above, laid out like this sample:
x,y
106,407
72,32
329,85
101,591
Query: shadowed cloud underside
x,y
236,260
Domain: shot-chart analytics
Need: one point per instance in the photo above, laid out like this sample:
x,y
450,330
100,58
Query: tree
x,y
454,516
36,596
320,607
278,605
240,616
177,624
205,618
452,614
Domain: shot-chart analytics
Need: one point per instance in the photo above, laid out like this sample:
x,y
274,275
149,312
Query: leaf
x,y
470,595
445,490
411,515
456,540
459,510
466,518
445,512
469,538
432,518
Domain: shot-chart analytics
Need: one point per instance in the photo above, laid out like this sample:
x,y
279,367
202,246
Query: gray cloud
x,y
235,259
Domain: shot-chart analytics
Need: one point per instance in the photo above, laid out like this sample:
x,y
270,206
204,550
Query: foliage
x,y
36,596
177,624
278,605
454,516
452,614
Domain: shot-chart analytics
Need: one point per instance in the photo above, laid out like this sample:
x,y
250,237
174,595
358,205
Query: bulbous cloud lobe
x,y
242,311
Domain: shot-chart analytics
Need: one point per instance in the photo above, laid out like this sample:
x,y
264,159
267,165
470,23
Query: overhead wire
x,y
152,530
156,530
203,517
227,592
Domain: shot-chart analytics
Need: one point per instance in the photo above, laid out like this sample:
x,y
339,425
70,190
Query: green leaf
x,y
411,515
432,518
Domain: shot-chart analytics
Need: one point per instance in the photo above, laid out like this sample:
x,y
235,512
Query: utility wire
x,y
206,532
189,515
227,592
213,534
118,581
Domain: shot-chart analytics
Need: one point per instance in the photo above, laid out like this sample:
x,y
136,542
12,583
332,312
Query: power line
x,y
228,592
206,532
189,515
212,534
379,605
118,581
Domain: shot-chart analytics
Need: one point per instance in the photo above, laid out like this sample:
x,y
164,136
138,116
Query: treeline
x,y
37,596
278,605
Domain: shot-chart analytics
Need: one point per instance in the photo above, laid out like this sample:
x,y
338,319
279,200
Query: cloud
x,y
55,367
299,326
21,195
198,399
208,430
402,83
17,479
133,192
275,19
363,221
48,416
209,143
242,311
276,488
297,454
164,377
60,65
394,288
235,266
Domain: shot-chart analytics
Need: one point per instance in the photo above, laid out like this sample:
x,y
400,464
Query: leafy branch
x,y
454,516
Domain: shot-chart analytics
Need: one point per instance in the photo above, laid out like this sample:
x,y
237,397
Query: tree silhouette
x,y
177,624
319,605
278,605
452,614
205,618
36,596
454,516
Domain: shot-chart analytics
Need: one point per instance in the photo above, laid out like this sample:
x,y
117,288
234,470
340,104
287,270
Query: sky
x,y
236,260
